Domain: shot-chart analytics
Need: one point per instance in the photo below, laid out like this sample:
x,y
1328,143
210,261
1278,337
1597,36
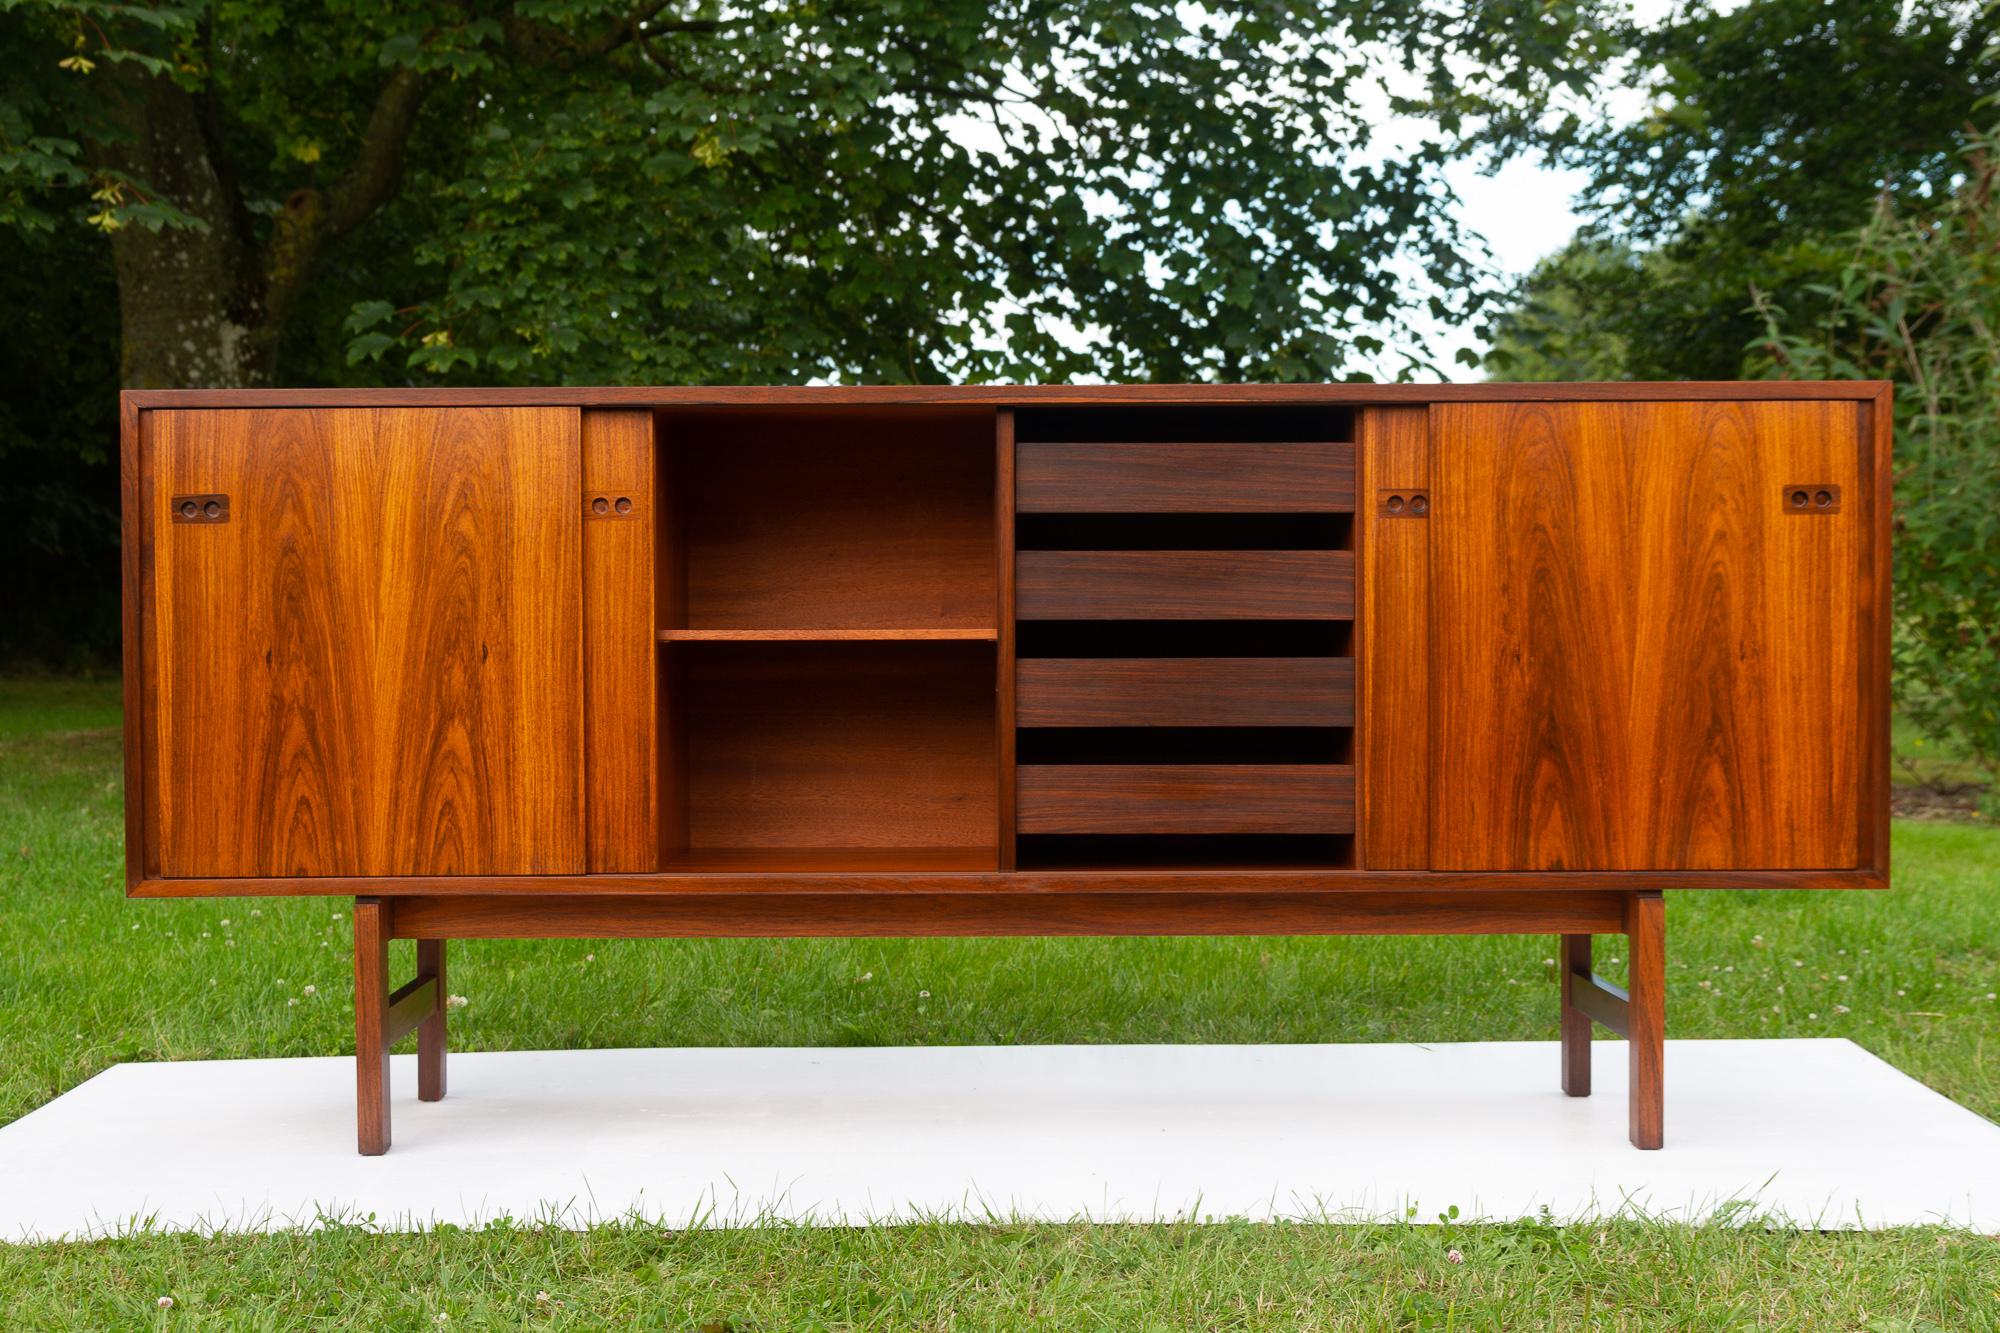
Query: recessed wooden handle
x,y
1403,503
1806,498
200,508
611,504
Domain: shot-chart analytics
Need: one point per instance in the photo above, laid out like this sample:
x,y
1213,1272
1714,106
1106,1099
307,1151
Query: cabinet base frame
x,y
382,1018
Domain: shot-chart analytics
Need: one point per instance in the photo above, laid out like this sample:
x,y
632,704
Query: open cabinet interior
x,y
802,523
827,619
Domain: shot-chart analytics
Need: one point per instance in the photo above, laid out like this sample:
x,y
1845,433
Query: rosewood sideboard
x,y
1007,661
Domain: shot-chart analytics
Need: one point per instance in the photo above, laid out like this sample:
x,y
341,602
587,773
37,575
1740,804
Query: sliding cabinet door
x,y
363,642
1647,635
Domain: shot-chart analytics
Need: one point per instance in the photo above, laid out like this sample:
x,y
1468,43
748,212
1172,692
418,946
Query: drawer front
x,y
1184,585
1184,692
1183,478
1185,798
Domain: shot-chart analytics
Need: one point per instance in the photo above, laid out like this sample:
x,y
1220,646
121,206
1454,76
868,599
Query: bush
x,y
1919,303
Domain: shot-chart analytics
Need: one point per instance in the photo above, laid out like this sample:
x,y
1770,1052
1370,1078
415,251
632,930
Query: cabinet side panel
x,y
620,652
1393,643
135,597
1646,662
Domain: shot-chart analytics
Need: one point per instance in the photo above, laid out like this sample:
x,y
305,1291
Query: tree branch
x,y
309,218
378,166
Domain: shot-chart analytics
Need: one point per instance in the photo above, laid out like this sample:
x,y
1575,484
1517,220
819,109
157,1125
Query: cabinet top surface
x,y
1008,395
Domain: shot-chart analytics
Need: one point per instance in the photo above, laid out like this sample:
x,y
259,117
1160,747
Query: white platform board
x,y
1815,1131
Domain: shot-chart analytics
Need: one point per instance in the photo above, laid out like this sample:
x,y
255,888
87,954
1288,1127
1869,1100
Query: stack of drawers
x,y
1184,686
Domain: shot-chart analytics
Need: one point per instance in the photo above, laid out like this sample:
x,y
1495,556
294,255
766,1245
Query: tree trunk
x,y
189,298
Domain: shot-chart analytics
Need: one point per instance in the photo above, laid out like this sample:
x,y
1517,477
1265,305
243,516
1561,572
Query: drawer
x,y
1184,692
1184,585
1184,798
1183,478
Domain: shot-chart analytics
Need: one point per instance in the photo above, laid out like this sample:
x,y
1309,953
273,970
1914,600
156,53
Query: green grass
x,y
88,979
1920,760
1075,1277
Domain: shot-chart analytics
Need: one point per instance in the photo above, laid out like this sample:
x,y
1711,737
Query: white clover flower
x,y
165,1302
455,1002
310,989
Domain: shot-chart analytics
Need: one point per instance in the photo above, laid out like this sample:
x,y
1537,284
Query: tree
x,y
703,191
1774,127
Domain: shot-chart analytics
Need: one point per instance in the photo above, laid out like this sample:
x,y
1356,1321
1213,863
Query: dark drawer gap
x,y
1184,745
1184,532
1166,851
1184,638
1195,425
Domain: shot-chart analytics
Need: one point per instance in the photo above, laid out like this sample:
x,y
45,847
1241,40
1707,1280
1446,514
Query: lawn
x,y
88,979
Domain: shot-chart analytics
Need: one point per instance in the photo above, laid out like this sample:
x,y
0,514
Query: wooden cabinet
x,y
1174,659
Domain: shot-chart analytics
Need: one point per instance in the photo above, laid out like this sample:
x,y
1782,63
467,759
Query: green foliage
x,y
58,451
1918,302
856,189
1773,126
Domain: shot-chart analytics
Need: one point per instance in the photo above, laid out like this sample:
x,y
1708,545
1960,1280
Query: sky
x,y
1524,212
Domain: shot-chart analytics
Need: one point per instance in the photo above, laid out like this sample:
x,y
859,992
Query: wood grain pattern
x,y
371,1047
1185,478
742,915
1873,592
837,521
1184,585
620,660
374,667
1185,692
1394,647
1185,798
432,1033
839,745
1234,879
916,398
1646,1016
135,568
1006,459
1574,958
968,635
1642,662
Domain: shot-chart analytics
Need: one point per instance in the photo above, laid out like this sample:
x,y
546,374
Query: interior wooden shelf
x,y
832,860
827,635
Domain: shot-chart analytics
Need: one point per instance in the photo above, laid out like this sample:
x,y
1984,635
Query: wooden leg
x,y
371,1047
431,1032
1574,956
1646,925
